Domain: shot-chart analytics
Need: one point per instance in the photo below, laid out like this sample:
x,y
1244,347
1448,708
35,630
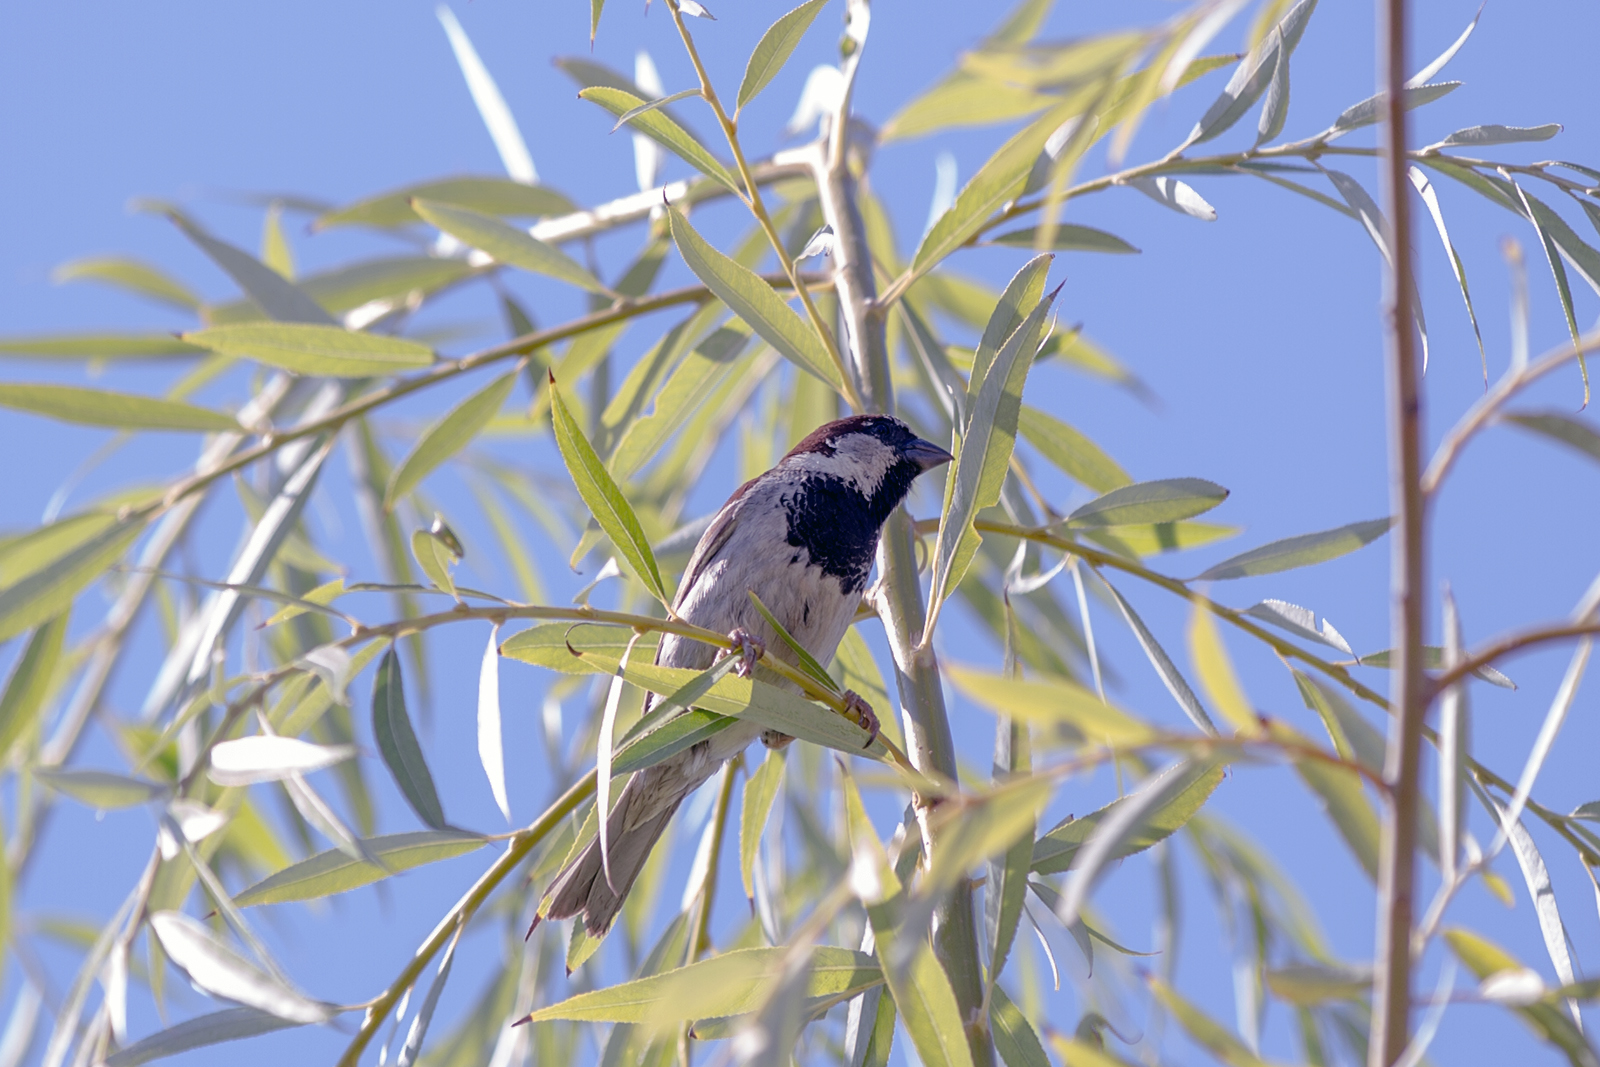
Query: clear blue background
x,y
1258,332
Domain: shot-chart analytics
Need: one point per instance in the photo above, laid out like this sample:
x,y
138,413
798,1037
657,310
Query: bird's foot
x,y
748,648
860,712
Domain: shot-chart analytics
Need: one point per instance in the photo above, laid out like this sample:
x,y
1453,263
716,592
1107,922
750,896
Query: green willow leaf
x,y
132,275
100,789
1433,660
1181,796
768,706
1370,110
1301,551
435,559
1171,677
233,1024
1561,427
1051,704
278,297
1486,960
1343,797
1074,454
559,646
500,197
1014,1036
663,129
1431,198
47,592
1144,503
125,411
448,436
605,500
985,455
30,681
98,346
807,662
733,983
679,732
1478,136
651,105
1022,294
397,742
760,790
997,181
1314,983
712,364
1068,238
775,48
1204,1030
1252,76
506,244
326,351
331,872
754,301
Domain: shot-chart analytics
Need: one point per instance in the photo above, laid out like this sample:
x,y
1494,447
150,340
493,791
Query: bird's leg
x,y
748,648
860,712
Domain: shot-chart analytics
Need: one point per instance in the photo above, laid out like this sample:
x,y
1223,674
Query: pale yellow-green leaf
x,y
30,681
664,129
760,790
47,592
775,48
101,789
447,436
123,411
754,301
132,275
435,559
325,351
1143,503
1216,673
332,871
98,346
506,244
1076,456
491,196
1055,850
1051,704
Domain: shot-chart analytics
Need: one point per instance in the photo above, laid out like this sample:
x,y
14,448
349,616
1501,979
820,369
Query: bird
x,y
802,537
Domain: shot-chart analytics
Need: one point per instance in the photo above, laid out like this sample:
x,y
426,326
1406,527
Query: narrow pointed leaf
x,y
498,196
101,789
1427,73
507,244
325,351
29,683
45,593
1433,659
248,760
448,436
1014,1037
760,790
220,971
1142,503
1478,136
430,1002
754,301
1302,622
605,500
1431,198
1177,195
1216,673
1051,704
1205,1031
1182,795
775,48
274,294
1074,454
397,742
808,663
651,105
1069,237
733,983
1252,77
1561,427
333,871
1022,294
664,129
1370,110
132,275
490,751
1170,676
233,1024
1301,551
98,346
1488,961
491,104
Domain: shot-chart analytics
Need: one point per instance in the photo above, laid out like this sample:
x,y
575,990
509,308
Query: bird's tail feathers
x,y
583,889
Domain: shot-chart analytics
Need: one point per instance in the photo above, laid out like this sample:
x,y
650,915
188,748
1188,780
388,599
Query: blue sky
x,y
1258,334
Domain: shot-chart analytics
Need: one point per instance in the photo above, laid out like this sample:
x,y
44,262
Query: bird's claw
x,y
749,648
860,712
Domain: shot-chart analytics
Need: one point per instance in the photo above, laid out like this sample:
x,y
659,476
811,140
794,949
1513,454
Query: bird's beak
x,y
926,455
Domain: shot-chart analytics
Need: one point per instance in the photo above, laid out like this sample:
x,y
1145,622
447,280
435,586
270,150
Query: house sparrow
x,y
802,536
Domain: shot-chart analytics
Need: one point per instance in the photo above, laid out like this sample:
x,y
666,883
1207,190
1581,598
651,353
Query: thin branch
x,y
465,908
1504,646
1397,861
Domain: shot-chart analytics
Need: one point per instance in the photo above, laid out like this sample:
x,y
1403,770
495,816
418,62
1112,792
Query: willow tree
x,y
851,941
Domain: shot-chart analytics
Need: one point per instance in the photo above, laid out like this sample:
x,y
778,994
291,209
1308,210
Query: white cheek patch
x,y
858,458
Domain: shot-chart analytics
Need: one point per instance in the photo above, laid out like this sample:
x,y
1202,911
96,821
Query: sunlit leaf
x,y
775,48
1170,676
132,275
1478,136
1215,671
760,790
754,301
331,872
328,351
397,741
1562,427
1204,1030
507,244
1370,110
1486,961
1069,237
29,683
1301,551
605,500
492,108
1252,76
1315,983
448,435
1142,503
664,129
232,1024
219,970
501,197
1050,704
1014,1037
45,593
101,789
249,760
1433,660
1180,797
98,346
1431,199
1177,195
